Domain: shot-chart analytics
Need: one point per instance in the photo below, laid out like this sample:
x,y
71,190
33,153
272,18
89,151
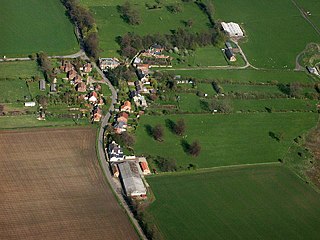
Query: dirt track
x,y
51,187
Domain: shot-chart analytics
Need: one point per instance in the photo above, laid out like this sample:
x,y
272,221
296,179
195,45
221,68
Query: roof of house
x,y
144,166
229,53
123,114
132,182
126,104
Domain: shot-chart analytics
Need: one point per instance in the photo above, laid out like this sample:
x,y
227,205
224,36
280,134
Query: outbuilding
x,y
29,104
131,179
232,29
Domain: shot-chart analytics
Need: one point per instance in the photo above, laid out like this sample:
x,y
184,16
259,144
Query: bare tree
x,y
180,127
157,132
195,148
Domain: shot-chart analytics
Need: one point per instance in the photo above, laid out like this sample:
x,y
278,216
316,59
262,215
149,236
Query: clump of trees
x,y
119,73
166,165
175,8
129,13
195,148
158,132
84,20
45,65
181,38
222,106
180,127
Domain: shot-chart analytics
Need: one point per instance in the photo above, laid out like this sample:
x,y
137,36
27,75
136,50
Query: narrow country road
x,y
103,159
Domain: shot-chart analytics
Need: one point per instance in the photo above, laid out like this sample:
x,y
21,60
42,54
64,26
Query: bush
x,y
166,165
195,148
157,132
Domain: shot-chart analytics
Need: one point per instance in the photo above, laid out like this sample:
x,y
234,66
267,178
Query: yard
x,y
225,139
31,26
261,202
52,188
271,40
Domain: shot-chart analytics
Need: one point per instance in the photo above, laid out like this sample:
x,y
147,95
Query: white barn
x,y
232,29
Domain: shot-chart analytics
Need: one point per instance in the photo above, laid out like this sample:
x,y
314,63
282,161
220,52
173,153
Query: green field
x,y
19,69
248,75
276,104
271,28
13,90
31,26
27,121
111,25
313,6
263,202
225,139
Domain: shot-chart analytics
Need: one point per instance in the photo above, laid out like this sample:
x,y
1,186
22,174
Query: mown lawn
x,y
225,139
262,202
31,26
271,29
111,25
248,75
22,69
13,90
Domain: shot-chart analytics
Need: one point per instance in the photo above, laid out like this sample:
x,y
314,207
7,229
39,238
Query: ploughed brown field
x,y
51,187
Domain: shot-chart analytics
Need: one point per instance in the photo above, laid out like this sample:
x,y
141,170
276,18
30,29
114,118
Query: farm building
x,y
81,87
42,85
230,55
313,70
29,104
53,87
131,180
108,63
115,152
144,167
232,29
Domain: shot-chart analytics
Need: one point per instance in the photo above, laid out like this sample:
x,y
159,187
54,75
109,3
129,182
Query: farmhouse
x,y
232,29
66,66
126,107
144,166
87,68
93,97
115,152
131,180
72,74
81,87
230,55
42,85
108,63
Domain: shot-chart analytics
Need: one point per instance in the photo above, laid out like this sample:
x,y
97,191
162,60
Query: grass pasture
x,y
111,25
32,26
52,188
225,139
19,69
262,202
247,75
271,28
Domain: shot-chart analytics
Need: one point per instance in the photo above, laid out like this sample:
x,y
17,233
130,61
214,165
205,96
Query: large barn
x,y
232,29
131,179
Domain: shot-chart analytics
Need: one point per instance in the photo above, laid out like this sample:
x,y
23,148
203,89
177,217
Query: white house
x,y
232,29
115,152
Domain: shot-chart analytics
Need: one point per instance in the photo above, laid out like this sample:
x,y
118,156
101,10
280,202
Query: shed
x,y
42,85
29,104
230,55
53,87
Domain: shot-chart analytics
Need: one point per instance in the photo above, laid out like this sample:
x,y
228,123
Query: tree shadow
x,y
149,130
185,145
284,88
274,136
170,125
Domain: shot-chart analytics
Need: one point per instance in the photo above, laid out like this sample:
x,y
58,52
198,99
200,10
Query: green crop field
x,y
312,6
27,121
225,139
111,25
31,26
271,28
248,75
262,202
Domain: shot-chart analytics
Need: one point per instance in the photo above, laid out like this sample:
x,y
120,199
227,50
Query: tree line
x,y
132,43
84,20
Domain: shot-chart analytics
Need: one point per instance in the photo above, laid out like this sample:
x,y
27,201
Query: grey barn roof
x,y
131,179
